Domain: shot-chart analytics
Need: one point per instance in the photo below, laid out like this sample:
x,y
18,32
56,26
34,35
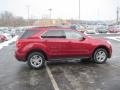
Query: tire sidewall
x,y
31,55
94,56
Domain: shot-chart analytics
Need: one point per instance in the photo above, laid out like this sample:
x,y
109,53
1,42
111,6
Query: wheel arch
x,y
37,50
101,46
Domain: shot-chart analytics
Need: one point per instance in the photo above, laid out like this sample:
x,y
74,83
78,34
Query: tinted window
x,y
28,33
54,34
70,34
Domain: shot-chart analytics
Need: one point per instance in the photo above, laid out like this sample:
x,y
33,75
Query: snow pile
x,y
6,43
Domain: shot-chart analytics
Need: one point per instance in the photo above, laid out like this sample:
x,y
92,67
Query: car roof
x,y
50,28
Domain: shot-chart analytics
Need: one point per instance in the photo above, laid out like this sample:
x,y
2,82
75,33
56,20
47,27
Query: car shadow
x,y
76,63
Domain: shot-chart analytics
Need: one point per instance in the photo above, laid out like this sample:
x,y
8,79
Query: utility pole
x,y
79,11
50,10
98,14
117,19
28,16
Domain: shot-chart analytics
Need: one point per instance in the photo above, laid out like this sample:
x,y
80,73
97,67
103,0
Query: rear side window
x,y
28,33
54,34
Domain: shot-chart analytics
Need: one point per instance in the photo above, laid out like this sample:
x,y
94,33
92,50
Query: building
x,y
51,22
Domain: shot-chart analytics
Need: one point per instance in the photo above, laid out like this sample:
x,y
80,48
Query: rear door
x,y
56,43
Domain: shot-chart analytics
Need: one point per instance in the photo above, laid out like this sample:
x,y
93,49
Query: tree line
x,y
7,19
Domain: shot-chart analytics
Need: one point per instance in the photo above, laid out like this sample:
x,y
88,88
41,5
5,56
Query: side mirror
x,y
82,38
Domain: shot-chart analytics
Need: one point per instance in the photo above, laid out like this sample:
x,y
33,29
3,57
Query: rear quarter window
x,y
28,33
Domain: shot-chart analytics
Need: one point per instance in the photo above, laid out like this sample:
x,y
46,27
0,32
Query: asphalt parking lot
x,y
74,75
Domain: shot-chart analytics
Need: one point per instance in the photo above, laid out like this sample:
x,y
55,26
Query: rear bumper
x,y
20,56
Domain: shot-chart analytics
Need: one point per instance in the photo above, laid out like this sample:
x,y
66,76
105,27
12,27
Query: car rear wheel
x,y
36,60
100,56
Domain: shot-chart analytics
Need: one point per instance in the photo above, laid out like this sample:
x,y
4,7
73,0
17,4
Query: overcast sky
x,y
66,9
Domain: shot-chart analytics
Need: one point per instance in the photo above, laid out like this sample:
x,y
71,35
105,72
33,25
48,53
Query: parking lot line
x,y
114,38
54,83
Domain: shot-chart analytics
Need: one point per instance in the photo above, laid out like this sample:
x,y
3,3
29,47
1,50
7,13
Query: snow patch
x,y
6,43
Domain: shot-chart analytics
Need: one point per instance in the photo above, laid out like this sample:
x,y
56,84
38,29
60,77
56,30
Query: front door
x,y
78,46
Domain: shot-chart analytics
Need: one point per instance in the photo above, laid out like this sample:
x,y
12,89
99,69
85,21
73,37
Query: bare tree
x,y
7,19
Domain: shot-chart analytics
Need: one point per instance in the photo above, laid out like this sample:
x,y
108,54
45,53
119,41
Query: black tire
x,y
32,63
97,60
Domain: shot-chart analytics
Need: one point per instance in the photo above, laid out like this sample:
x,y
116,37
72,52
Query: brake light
x,y
18,44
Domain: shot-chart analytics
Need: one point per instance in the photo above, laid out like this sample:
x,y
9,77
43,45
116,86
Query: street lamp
x,y
79,11
28,12
50,13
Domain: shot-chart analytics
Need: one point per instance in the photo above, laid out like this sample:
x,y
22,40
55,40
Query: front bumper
x,y
110,52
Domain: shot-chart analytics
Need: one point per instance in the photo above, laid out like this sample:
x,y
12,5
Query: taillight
x,y
20,44
17,44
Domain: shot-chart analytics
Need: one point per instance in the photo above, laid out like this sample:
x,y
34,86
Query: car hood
x,y
97,40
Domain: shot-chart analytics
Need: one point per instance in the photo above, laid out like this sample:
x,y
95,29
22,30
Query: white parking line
x,y
114,38
52,78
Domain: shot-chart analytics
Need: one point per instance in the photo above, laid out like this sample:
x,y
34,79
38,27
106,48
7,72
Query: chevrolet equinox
x,y
40,44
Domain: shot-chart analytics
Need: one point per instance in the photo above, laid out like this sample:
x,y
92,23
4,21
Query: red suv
x,y
41,44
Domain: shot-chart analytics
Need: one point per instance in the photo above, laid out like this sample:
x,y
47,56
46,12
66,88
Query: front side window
x,y
54,34
72,34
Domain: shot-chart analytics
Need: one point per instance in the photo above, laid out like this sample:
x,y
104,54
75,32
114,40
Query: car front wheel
x,y
36,60
100,56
